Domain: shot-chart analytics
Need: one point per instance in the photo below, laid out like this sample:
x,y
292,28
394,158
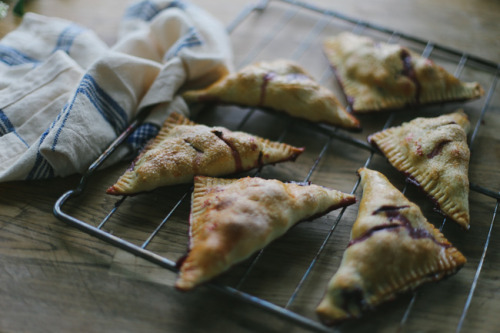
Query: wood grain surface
x,y
55,278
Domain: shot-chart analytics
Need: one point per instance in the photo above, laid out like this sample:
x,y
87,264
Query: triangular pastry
x,y
380,76
183,149
279,85
434,154
393,249
233,218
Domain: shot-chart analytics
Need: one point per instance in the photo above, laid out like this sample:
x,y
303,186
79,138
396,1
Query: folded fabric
x,y
65,95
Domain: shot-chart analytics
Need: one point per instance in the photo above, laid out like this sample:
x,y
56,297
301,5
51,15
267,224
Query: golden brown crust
x,y
233,218
381,76
434,153
393,249
280,85
183,149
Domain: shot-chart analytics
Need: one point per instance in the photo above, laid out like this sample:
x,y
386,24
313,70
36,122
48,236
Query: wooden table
x,y
55,278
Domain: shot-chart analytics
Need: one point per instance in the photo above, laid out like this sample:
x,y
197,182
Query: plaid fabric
x,y
142,135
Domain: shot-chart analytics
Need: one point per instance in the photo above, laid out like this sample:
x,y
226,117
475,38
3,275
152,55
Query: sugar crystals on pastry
x,y
393,249
183,149
279,85
233,218
380,76
434,154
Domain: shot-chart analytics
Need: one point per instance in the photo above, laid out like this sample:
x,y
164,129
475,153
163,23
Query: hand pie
x,y
183,149
233,218
281,86
433,153
393,249
380,76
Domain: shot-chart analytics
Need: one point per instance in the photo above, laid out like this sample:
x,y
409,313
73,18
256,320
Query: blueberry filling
x,y
198,150
234,151
388,209
351,298
437,150
263,88
393,214
409,72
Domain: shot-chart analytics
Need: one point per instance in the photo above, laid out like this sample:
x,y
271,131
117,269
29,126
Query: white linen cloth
x,y
65,95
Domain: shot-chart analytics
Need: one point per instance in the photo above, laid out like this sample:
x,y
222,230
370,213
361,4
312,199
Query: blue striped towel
x,y
65,94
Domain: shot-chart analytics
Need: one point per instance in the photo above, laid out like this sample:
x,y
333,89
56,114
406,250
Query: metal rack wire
x,y
323,18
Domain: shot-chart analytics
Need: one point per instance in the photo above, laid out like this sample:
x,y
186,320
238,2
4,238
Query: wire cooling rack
x,y
312,251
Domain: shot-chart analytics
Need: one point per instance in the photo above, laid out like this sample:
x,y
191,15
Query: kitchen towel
x,y
65,95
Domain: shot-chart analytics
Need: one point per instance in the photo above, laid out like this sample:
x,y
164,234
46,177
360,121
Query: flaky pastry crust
x,y
393,249
183,149
233,218
280,85
434,154
380,76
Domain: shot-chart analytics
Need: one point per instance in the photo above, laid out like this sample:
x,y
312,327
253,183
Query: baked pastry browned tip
x,y
183,149
378,76
393,249
231,219
280,85
434,154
